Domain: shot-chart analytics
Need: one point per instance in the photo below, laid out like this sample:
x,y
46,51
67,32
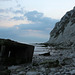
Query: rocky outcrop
x,y
45,54
64,31
12,52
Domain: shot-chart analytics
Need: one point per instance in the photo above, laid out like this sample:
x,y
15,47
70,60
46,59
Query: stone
x,y
50,63
67,61
67,73
72,72
58,73
33,73
42,69
13,67
21,73
45,54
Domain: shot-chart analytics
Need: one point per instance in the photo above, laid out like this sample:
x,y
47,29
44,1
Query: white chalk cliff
x,y
64,30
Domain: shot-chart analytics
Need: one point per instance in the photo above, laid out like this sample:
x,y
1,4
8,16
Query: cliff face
x,y
64,30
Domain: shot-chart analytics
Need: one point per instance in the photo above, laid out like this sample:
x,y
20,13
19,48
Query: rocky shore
x,y
59,62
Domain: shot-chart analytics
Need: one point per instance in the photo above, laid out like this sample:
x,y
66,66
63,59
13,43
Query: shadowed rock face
x,y
15,53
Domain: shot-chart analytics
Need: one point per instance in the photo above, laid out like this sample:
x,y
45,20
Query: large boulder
x,y
12,52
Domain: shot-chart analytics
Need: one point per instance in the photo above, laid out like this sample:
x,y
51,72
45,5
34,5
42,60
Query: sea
x,y
41,49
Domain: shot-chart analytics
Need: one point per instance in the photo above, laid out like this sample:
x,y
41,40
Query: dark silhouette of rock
x,y
45,54
12,52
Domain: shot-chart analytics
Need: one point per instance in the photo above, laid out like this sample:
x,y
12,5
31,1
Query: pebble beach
x,y
59,62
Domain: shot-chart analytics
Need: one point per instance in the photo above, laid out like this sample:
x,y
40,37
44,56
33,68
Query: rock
x,y
15,53
72,72
42,69
53,69
50,63
21,73
68,73
13,67
33,73
67,61
45,54
63,34
35,63
58,73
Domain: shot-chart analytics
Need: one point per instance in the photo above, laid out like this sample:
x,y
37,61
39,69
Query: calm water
x,y
40,49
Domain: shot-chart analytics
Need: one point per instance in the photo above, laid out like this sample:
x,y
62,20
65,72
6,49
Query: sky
x,y
30,21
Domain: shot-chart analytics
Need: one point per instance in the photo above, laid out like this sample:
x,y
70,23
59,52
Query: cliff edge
x,y
63,33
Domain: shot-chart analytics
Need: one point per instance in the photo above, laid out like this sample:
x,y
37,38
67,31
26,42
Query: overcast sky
x,y
31,21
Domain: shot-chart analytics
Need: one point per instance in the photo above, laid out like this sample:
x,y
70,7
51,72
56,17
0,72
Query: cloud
x,y
39,22
36,31
18,5
36,16
20,11
5,0
17,18
11,10
2,17
6,10
1,10
28,36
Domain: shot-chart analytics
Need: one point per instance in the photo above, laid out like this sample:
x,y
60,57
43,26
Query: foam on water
x,y
40,49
